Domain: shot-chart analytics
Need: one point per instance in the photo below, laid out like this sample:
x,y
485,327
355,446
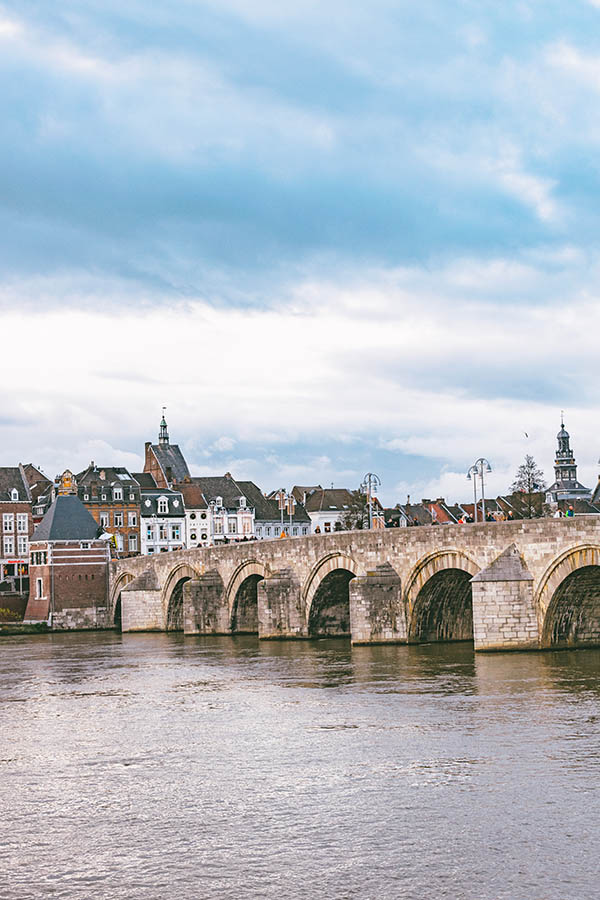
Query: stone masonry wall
x,y
539,541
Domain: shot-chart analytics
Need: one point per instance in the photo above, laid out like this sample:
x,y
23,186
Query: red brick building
x,y
68,568
16,527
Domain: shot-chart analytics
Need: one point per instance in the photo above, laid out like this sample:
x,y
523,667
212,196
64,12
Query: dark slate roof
x,y
224,486
145,480
266,509
299,490
39,484
113,475
149,503
67,520
170,457
11,477
325,499
419,512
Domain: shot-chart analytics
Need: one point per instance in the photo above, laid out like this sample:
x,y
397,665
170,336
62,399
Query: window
x,y
232,526
162,532
85,545
118,520
295,530
218,526
23,545
86,496
304,529
247,526
202,515
242,502
133,543
175,532
9,546
118,493
132,519
193,536
219,501
163,505
39,588
22,523
119,540
132,497
149,532
39,558
103,497
327,526
258,531
150,550
268,530
104,520
192,515
14,494
8,522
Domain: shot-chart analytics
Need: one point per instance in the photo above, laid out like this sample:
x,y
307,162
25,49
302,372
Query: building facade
x,y
112,496
16,529
165,461
163,525
68,585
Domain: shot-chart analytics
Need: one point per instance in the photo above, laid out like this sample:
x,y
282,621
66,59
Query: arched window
x,y
163,505
14,494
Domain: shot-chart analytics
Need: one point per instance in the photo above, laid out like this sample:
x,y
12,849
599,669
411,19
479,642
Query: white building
x,y
163,521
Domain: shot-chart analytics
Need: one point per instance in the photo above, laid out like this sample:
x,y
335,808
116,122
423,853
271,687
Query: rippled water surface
x,y
153,766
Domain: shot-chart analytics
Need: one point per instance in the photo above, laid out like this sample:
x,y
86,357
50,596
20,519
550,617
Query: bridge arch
x,y
326,595
568,599
438,597
114,609
172,595
242,596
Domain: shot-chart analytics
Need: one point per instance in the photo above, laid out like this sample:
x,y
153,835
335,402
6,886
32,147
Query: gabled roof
x,y
267,509
329,500
112,475
67,520
13,478
193,495
299,491
169,456
224,486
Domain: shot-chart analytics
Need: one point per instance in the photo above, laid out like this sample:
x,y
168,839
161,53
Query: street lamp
x,y
471,475
281,500
369,486
479,467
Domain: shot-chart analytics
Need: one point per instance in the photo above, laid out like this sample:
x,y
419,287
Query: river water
x,y
153,766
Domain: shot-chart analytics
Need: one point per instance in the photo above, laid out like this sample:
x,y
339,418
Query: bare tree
x,y
528,486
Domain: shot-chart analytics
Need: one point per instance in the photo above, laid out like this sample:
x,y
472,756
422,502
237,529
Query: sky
x,y
331,238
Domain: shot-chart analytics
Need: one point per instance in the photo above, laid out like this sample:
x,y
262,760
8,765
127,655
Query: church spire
x,y
163,436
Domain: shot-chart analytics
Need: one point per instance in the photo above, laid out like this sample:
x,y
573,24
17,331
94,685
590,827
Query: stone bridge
x,y
507,585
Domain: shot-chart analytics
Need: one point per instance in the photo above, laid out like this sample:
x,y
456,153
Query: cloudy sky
x,y
330,237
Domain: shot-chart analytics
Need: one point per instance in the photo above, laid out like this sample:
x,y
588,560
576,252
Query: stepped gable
x,y
509,566
67,520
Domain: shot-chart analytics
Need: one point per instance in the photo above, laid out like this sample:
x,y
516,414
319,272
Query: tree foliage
x,y
528,487
356,517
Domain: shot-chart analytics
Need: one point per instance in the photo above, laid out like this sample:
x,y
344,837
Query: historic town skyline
x,y
267,219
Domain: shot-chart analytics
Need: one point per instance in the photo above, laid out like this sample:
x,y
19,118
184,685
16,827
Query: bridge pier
x,y
377,613
141,604
504,616
204,605
281,609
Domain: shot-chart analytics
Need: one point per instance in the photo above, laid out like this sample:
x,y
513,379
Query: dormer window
x,y
242,502
163,505
219,501
118,493
14,494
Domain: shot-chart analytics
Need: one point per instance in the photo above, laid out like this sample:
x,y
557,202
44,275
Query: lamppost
x,y
369,486
291,506
281,500
479,467
471,475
